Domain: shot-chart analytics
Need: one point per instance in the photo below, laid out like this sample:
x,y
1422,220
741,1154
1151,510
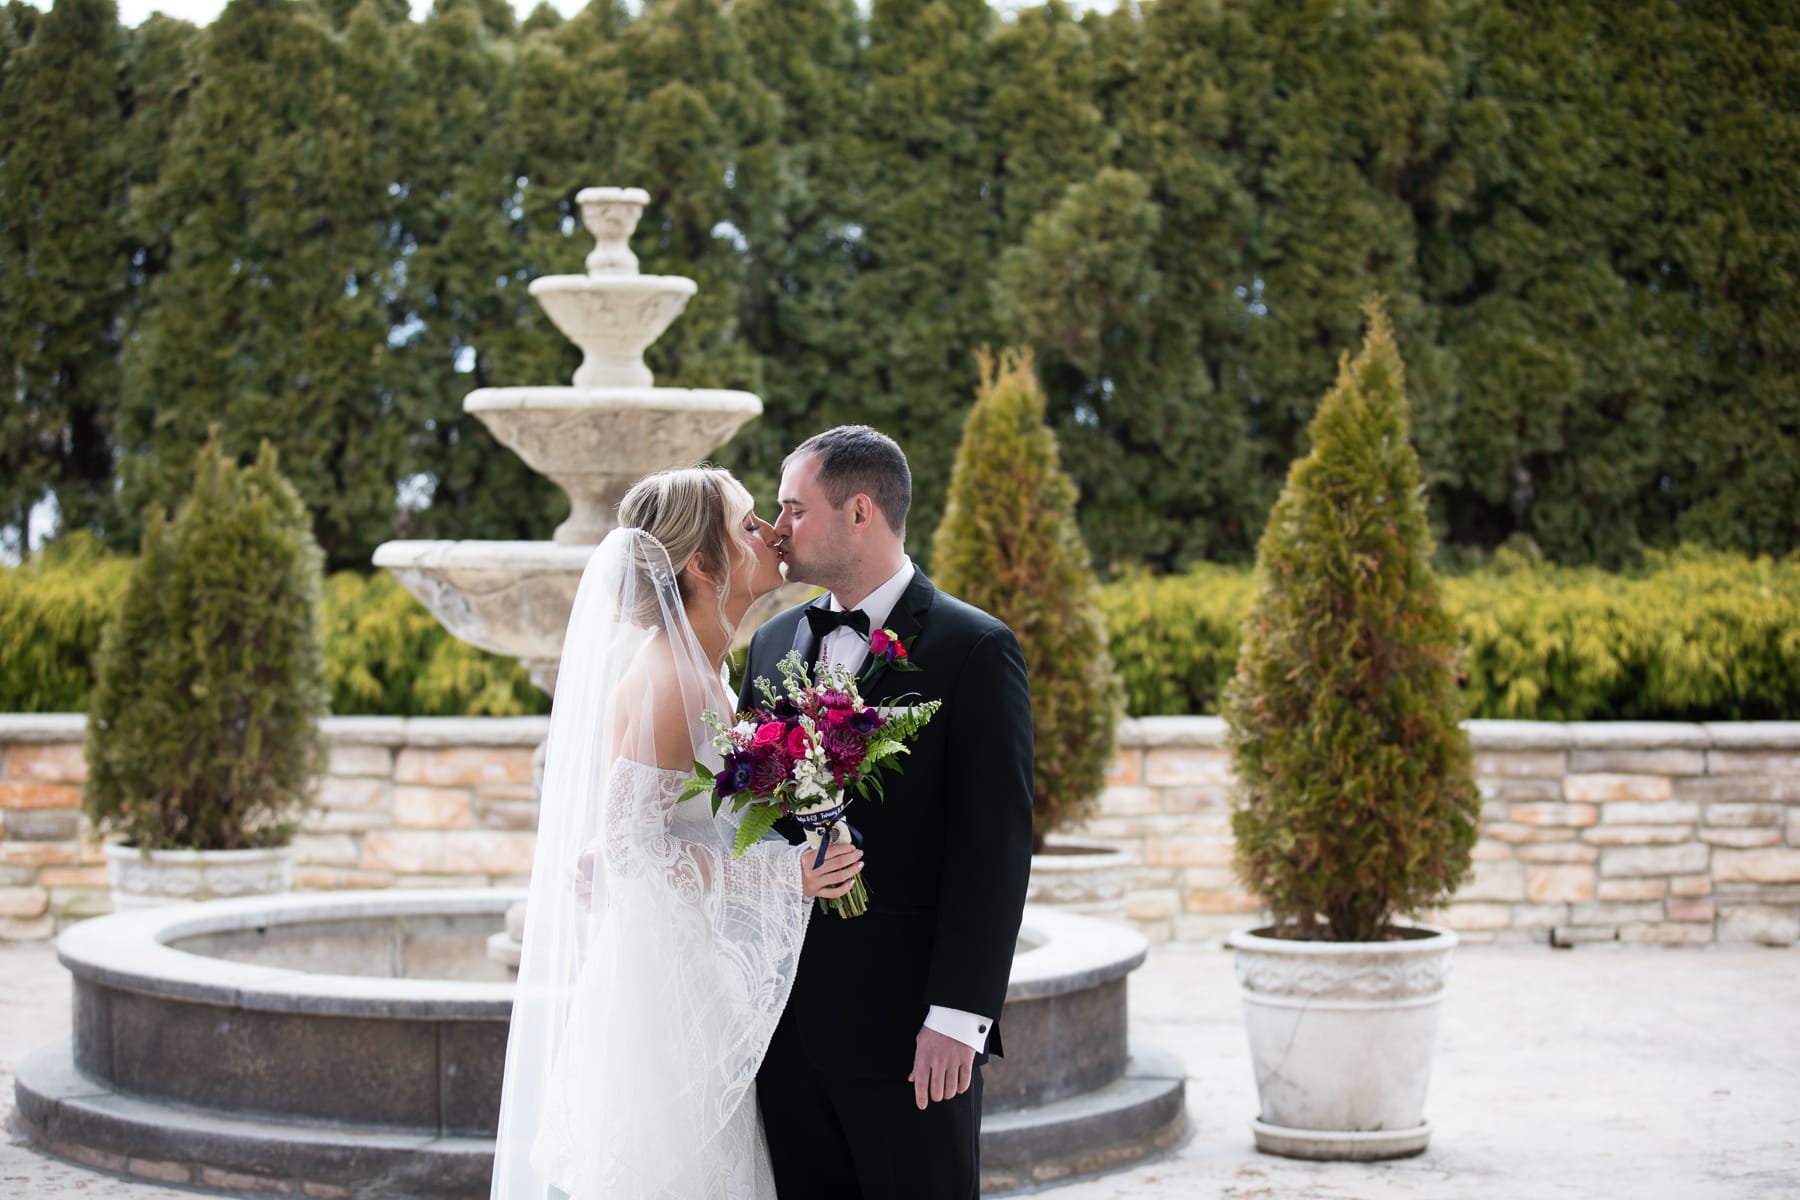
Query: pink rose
x,y
879,641
798,743
769,733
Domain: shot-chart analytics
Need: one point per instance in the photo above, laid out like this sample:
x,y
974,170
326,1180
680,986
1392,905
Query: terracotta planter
x,y
1341,1037
1079,876
142,879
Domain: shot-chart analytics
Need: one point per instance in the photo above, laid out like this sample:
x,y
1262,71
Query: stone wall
x,y
1645,833
1659,833
431,802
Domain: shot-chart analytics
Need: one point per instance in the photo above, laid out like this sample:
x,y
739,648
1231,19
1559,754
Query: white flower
x,y
812,780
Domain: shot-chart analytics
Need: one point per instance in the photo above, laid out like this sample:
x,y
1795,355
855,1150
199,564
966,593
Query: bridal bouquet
x,y
806,752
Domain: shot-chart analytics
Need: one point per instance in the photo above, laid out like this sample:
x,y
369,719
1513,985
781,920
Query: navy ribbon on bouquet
x,y
823,820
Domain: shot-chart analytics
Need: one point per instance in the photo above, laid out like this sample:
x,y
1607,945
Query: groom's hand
x,y
942,1067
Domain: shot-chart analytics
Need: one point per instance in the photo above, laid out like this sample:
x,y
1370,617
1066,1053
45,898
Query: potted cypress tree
x,y
1008,543
203,725
1356,796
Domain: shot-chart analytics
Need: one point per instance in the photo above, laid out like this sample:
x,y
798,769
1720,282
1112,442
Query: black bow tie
x,y
824,620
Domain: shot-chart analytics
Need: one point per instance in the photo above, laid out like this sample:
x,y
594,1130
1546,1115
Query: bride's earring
x,y
721,589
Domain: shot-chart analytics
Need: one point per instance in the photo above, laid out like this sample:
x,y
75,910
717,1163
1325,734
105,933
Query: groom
x,y
872,1084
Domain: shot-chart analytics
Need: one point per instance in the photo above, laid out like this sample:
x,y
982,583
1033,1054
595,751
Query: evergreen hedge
x,y
53,613
386,654
1695,635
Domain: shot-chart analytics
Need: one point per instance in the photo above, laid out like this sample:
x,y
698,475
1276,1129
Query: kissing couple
x,y
685,1027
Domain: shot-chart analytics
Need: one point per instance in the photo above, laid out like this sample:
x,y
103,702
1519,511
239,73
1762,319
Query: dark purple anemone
x,y
735,775
865,722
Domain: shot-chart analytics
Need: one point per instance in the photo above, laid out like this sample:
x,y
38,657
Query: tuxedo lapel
x,y
906,622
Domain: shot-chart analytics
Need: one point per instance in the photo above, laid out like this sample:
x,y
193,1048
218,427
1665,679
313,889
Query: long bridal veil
x,y
654,964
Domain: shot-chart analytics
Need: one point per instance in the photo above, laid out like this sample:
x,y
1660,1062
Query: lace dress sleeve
x,y
644,840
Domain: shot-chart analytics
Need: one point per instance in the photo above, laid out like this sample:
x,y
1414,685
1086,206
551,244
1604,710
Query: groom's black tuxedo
x,y
946,857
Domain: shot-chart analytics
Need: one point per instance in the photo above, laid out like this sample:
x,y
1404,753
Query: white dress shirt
x,y
844,647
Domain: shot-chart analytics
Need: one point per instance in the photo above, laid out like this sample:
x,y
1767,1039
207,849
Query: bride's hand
x,y
584,879
833,877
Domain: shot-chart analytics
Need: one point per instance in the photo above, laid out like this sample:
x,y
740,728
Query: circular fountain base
x,y
354,1042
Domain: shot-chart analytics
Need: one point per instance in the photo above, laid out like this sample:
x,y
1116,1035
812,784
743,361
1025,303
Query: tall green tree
x,y
802,225
700,136
1358,105
63,249
269,317
1042,125
929,232
1083,286
1169,457
1626,361
459,316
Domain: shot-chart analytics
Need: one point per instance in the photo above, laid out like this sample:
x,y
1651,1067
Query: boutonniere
x,y
887,648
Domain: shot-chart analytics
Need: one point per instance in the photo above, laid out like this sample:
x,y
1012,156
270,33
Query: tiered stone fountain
x,y
594,439
351,1044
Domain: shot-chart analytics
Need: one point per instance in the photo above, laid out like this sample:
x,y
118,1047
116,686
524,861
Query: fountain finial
x,y
612,312
610,214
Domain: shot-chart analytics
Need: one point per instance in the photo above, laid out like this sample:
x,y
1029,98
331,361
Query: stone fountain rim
x,y
1074,953
132,951
652,399
665,284
480,555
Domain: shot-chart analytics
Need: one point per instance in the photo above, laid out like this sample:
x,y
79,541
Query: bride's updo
x,y
689,510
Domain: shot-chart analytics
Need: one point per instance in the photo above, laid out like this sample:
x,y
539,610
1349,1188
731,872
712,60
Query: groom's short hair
x,y
856,458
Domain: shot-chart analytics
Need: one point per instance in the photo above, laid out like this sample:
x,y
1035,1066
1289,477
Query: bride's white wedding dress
x,y
655,964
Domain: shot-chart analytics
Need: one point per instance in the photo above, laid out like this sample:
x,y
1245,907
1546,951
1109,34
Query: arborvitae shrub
x,y
203,726
1356,792
1009,544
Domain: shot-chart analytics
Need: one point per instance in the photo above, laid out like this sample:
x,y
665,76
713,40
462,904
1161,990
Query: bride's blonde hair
x,y
691,510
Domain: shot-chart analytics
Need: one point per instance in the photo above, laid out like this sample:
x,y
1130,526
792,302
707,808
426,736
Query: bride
x,y
655,965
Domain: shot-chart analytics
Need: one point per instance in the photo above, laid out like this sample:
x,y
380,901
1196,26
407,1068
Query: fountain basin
x,y
510,598
613,318
595,442
356,1040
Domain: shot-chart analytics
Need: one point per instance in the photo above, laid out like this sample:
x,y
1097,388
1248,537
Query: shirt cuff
x,y
971,1029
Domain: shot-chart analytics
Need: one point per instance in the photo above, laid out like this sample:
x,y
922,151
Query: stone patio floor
x,y
1601,1073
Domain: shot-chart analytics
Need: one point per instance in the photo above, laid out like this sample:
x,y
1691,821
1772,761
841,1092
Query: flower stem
x,y
853,903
